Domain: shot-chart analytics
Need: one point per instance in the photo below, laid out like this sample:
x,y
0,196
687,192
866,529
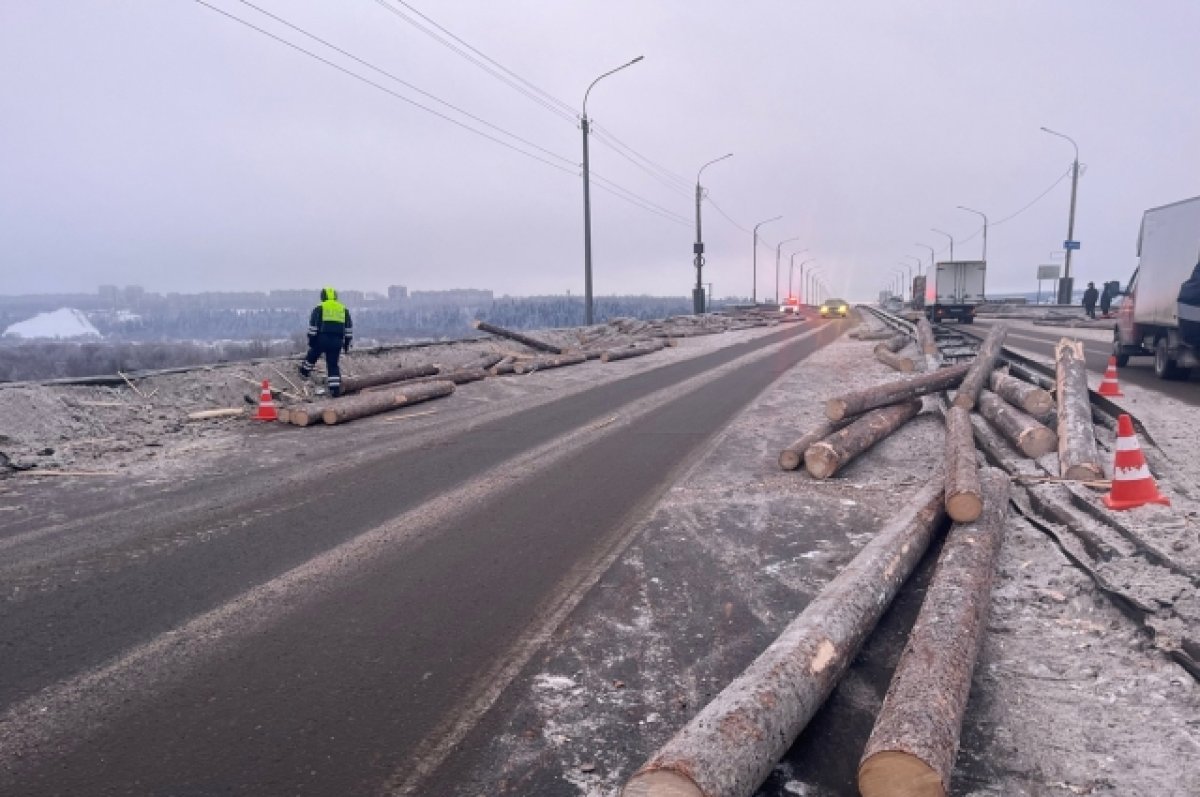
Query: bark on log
x,y
981,369
895,343
532,343
353,384
1030,437
793,456
305,414
353,407
875,334
964,493
913,745
460,376
731,746
928,344
543,363
1030,398
827,457
624,354
1078,457
486,361
859,401
895,361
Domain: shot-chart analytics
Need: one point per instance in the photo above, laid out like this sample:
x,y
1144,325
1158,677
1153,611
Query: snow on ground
x,y
65,322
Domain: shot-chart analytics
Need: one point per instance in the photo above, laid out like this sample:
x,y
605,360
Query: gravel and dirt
x,y
1070,695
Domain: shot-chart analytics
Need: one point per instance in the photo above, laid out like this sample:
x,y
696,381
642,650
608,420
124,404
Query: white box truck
x,y
1168,249
957,290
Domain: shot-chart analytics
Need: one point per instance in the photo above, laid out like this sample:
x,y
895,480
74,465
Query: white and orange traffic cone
x,y
1109,385
266,405
1132,484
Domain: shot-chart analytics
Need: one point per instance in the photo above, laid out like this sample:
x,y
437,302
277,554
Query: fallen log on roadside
x,y
353,384
868,398
1030,398
827,457
543,363
532,343
732,745
964,493
353,407
486,361
895,361
633,351
875,334
459,376
206,415
915,740
928,344
305,414
981,369
894,343
792,457
1025,433
1078,457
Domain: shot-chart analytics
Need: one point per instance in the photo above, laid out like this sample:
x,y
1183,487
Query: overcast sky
x,y
160,143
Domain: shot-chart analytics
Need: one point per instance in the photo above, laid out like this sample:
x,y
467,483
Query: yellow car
x,y
834,308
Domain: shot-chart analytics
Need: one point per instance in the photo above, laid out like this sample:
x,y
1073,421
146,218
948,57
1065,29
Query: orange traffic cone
x,y
266,405
1132,484
1108,385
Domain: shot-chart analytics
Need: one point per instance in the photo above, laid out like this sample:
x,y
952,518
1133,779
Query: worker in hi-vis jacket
x,y
330,332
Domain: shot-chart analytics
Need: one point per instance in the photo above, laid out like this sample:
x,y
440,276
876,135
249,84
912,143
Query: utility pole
x,y
587,201
931,256
948,235
754,286
698,247
1066,285
979,213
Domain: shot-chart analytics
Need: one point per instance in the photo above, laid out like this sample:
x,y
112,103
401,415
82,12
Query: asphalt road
x,y
256,634
1140,370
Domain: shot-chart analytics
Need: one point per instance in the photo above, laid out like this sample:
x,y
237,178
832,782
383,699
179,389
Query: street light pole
x,y
754,287
931,255
778,249
979,213
1066,285
804,285
910,281
948,235
698,249
587,201
812,283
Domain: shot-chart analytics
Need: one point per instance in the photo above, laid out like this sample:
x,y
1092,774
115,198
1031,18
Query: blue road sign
x,y
1070,244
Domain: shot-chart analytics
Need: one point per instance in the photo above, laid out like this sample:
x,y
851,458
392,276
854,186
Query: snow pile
x,y
65,322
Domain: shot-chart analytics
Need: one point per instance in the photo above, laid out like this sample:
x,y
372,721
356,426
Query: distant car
x,y
790,305
834,308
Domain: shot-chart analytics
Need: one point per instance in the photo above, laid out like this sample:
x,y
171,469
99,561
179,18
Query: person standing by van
x,y
1089,300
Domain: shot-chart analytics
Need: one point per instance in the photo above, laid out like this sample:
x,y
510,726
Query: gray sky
x,y
157,142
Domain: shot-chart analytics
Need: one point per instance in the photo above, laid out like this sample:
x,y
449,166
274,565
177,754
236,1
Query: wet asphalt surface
x,y
335,697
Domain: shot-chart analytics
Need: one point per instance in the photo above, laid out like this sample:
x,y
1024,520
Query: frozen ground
x,y
1070,696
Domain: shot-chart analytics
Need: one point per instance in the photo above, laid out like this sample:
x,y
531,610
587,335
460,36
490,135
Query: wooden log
x,y
895,343
1032,376
305,414
792,457
1030,437
1030,398
633,351
459,376
859,401
875,334
731,746
928,344
827,457
532,343
205,415
1078,457
981,369
353,384
895,361
353,407
964,494
913,745
543,363
487,360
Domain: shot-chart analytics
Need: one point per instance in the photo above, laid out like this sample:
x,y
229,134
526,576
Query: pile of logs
x,y
349,408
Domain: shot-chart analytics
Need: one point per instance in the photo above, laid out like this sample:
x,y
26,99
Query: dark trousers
x,y
332,349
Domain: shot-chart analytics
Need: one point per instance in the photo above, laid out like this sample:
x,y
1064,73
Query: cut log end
x,y
661,783
789,459
1039,442
835,409
821,460
964,507
1083,473
896,774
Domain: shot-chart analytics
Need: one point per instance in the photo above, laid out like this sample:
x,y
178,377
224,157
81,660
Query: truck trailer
x,y
957,290
1168,248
